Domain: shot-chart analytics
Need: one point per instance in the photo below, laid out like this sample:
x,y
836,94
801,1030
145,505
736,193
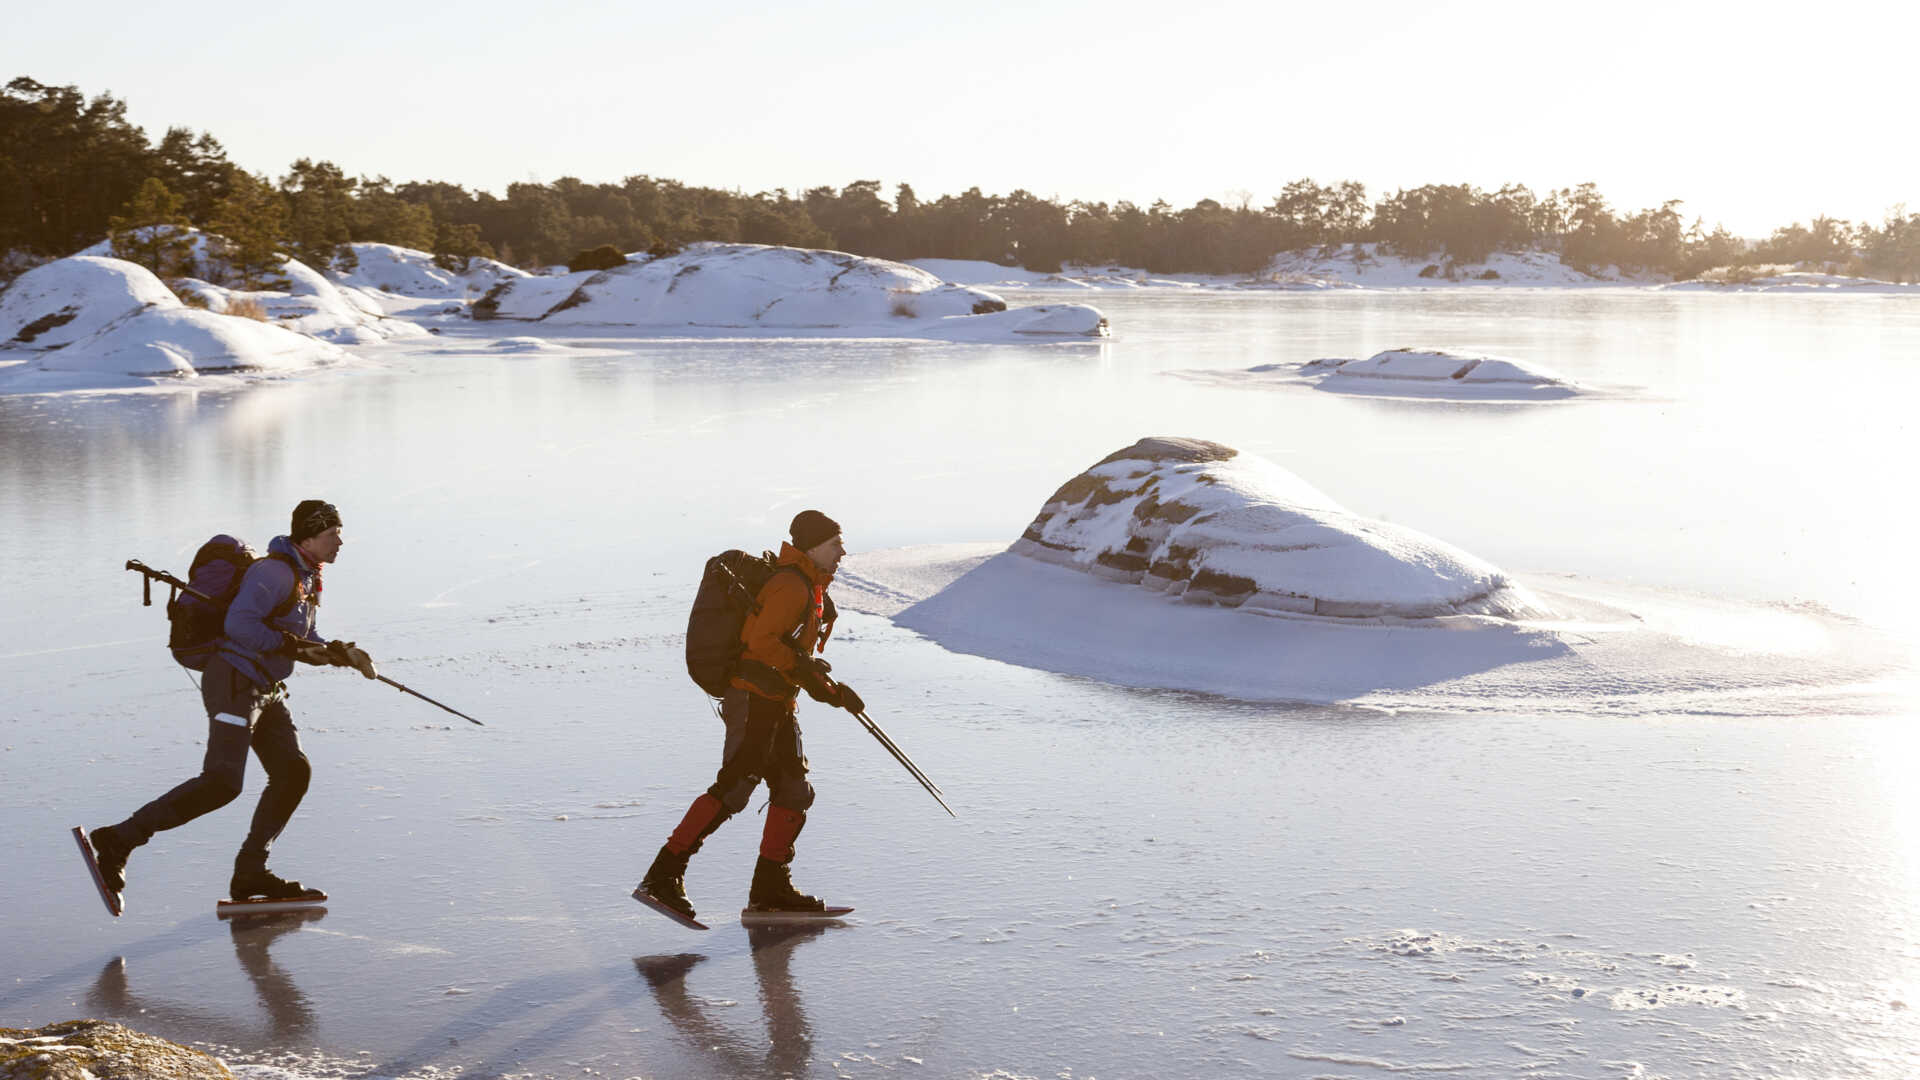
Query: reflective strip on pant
x,y
229,718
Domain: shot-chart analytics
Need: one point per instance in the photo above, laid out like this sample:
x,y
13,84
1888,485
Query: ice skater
x,y
270,623
784,630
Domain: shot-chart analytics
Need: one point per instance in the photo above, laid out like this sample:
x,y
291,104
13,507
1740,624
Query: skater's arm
x,y
266,587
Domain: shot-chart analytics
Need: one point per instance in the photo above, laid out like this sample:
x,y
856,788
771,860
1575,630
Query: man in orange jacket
x,y
781,640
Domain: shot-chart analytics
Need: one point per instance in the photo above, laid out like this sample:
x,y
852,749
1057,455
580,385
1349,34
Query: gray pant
x,y
240,716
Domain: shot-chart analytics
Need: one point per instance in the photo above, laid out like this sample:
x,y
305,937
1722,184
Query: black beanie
x,y
811,528
311,518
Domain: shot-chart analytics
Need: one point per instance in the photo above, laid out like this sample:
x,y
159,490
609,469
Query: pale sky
x,y
1754,114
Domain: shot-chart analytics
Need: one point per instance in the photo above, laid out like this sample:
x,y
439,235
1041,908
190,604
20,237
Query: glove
x,y
347,654
307,652
850,701
810,674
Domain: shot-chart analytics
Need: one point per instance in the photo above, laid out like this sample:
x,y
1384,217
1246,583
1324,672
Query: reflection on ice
x,y
786,1047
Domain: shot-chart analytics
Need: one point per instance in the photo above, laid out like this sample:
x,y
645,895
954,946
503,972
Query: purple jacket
x,y
255,644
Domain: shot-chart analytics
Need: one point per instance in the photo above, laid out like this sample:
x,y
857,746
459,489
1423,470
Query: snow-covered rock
x,y
1202,522
762,287
1432,374
100,318
310,305
64,301
1440,373
403,281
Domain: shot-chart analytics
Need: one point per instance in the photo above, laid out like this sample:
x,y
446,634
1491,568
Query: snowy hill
x,y
86,321
756,286
310,305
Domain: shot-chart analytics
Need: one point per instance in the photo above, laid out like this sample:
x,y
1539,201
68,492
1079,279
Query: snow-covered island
x,y
1333,266
1152,568
1786,279
312,303
1421,373
88,321
783,289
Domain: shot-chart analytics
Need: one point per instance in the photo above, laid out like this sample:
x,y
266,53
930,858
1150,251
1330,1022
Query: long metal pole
x,y
428,700
900,756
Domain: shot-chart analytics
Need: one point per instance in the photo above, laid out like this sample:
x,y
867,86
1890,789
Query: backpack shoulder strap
x,y
294,595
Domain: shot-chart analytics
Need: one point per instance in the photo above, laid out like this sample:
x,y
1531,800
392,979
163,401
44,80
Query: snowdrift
x,y
1196,520
760,287
311,304
109,318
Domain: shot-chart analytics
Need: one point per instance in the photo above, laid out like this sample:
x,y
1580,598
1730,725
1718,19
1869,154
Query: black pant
x,y
239,715
763,743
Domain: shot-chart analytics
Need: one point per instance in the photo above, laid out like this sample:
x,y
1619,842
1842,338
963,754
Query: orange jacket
x,y
786,603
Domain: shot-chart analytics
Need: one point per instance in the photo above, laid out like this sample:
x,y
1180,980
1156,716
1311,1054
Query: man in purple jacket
x,y
270,624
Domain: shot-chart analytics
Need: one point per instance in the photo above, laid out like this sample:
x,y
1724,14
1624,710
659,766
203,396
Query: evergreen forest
x,y
74,170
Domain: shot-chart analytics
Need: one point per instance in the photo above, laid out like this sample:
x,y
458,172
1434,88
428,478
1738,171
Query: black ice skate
x,y
664,888
773,898
260,891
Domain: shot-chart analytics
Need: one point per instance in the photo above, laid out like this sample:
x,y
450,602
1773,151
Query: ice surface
x,y
1702,763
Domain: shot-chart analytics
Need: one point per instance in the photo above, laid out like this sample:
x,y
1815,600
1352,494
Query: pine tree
x,y
319,215
250,222
456,246
152,231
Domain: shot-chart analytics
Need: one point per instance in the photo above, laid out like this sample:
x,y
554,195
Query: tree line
x,y
74,169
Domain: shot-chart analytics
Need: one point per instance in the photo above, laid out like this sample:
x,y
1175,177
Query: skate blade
x,y
227,909
755,915
107,896
691,924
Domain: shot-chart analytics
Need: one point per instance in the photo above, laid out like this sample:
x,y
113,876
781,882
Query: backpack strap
x,y
298,592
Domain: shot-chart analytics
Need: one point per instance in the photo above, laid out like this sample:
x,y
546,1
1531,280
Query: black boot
x,y
110,854
665,883
773,890
260,883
